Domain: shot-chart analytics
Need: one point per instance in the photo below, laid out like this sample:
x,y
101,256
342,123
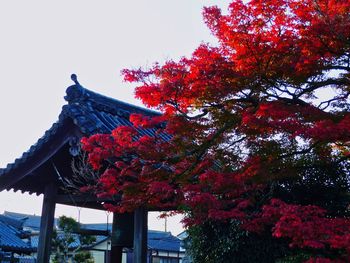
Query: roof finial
x,y
75,79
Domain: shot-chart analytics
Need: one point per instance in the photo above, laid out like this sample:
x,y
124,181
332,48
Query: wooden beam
x,y
46,223
94,202
140,235
85,200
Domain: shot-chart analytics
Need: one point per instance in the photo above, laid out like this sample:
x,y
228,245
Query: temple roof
x,y
10,235
94,113
86,113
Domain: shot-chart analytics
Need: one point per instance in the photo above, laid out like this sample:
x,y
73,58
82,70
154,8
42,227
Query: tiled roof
x,y
16,223
30,221
88,113
9,239
95,113
97,226
165,241
33,221
157,240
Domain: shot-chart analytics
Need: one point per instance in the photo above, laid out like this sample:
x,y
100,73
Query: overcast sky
x,y
43,42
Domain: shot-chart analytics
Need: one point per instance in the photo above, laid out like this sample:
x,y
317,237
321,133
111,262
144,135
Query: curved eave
x,y
46,147
86,113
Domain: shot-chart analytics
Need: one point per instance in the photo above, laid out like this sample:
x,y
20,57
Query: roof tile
x,y
92,113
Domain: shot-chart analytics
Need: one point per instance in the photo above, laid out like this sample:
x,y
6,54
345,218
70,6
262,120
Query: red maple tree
x,y
238,119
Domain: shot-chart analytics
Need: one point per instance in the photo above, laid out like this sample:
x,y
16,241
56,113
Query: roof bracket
x,y
74,143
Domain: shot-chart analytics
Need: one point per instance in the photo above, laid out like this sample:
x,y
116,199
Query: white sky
x,y
42,42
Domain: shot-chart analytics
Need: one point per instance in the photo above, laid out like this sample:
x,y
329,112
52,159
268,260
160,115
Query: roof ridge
x,y
77,94
8,213
85,113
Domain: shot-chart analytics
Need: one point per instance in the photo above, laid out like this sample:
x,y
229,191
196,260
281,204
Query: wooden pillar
x,y
140,236
122,235
116,254
46,223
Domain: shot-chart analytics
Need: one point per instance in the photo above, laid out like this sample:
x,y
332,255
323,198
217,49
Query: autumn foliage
x,y
241,122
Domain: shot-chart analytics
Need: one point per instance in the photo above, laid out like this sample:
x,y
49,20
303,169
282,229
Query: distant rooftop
x,y
29,221
10,236
157,240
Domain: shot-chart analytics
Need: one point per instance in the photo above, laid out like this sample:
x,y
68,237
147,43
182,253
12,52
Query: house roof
x,y
85,113
163,241
97,226
33,221
10,239
157,240
13,222
29,221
